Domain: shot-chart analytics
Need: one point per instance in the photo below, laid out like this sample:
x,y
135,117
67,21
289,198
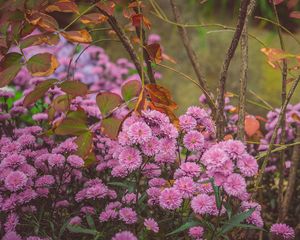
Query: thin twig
x,y
283,121
261,99
220,120
274,135
193,58
244,75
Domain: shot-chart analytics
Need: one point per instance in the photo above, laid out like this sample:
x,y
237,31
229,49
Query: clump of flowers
x,y
282,231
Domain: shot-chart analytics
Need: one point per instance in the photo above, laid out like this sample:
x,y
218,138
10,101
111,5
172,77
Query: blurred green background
x,y
212,44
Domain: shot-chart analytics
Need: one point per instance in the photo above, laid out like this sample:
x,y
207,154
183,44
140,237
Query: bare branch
x,y
220,121
244,75
193,58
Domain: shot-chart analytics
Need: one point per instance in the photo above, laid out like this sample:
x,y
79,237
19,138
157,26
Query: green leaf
x,y
184,227
130,90
38,92
111,126
217,194
10,59
74,88
77,229
78,115
42,64
10,65
61,103
85,144
71,127
235,221
90,221
108,101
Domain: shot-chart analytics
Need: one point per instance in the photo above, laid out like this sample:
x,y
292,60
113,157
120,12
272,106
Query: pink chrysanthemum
x,y
187,123
234,148
43,181
139,132
282,231
75,221
214,157
75,161
186,186
11,236
11,222
108,215
125,235
40,116
56,160
151,225
247,165
150,148
15,181
196,232
130,158
170,198
202,204
128,215
190,169
193,141
235,185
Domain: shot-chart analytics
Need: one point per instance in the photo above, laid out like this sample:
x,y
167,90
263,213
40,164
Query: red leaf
x,y
155,52
138,19
252,125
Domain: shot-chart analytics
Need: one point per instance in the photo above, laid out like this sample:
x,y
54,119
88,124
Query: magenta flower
x,y
11,236
130,158
125,235
56,160
186,186
193,141
202,204
128,215
75,221
247,165
15,181
187,123
151,225
108,215
170,198
46,180
282,231
235,185
75,161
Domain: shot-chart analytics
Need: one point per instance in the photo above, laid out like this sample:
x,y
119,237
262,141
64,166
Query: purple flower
x,y
187,123
186,186
203,204
15,181
139,132
57,160
282,231
196,232
235,185
46,180
170,198
40,116
247,165
11,236
11,222
108,215
75,220
151,225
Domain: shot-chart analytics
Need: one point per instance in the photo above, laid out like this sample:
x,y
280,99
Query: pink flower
x,y
186,186
203,204
11,236
234,148
15,181
190,169
130,158
235,185
247,165
128,215
75,221
57,160
150,148
151,225
282,231
139,132
125,235
75,161
40,116
170,198
196,232
11,222
108,215
214,157
46,180
193,141
187,123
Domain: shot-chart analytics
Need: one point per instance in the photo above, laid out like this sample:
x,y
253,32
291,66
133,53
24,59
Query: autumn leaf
x,y
275,55
85,144
38,92
130,90
252,125
42,64
66,6
38,39
74,88
44,21
139,19
295,14
80,36
61,103
155,52
108,101
111,126
10,65
93,18
71,127
108,7
296,117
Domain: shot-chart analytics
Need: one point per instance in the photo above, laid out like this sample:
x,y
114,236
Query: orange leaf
x,y
44,21
108,7
66,6
42,64
275,56
154,51
296,117
81,36
252,125
93,18
139,19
